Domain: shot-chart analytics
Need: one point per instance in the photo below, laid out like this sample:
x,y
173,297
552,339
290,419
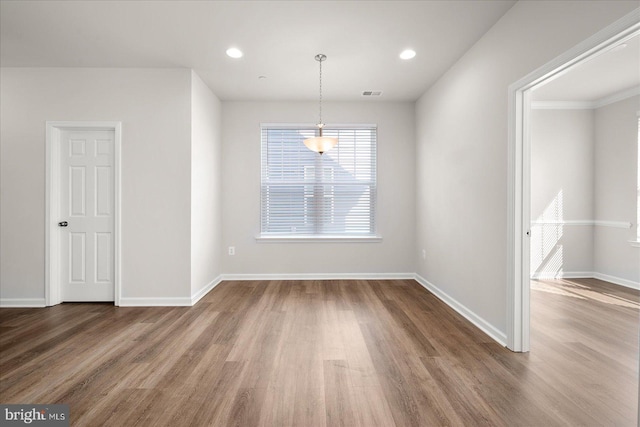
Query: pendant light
x,y
320,143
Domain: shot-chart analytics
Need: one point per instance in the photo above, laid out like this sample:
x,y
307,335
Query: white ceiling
x,y
362,40
608,73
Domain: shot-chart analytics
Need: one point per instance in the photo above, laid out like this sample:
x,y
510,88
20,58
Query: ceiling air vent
x,y
371,92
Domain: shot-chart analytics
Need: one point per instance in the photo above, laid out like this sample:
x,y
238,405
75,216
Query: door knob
x,y
63,224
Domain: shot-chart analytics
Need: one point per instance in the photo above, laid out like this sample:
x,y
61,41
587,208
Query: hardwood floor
x,y
316,353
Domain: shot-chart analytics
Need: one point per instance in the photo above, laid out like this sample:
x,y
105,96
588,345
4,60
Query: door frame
x,y
54,129
519,169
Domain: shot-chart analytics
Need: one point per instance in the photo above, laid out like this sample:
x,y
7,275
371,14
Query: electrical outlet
x,y
232,250
424,254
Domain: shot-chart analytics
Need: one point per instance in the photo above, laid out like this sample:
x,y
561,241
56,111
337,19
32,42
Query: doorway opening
x,y
519,172
82,219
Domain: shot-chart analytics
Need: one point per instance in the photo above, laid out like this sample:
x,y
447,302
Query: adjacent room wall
x,y
461,153
583,167
206,187
616,163
241,192
562,179
154,108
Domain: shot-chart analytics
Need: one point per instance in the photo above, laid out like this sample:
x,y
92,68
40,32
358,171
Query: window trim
x,y
317,239
320,238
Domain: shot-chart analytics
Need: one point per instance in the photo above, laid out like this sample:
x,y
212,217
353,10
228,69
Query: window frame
x,y
318,238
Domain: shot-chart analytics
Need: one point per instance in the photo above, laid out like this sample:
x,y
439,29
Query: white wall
x,y
206,186
154,107
562,180
241,192
461,152
616,190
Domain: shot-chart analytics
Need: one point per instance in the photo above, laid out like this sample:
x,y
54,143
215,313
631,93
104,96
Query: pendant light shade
x,y
320,143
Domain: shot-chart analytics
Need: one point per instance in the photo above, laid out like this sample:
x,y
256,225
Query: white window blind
x,y
307,194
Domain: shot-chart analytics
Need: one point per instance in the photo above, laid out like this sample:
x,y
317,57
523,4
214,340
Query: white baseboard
x,y
464,311
205,290
155,302
550,275
320,276
187,302
170,302
497,335
617,280
22,302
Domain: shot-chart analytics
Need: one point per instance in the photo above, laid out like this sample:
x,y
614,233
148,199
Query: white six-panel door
x,y
87,208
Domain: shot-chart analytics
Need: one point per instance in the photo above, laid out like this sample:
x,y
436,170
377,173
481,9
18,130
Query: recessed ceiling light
x,y
234,52
407,54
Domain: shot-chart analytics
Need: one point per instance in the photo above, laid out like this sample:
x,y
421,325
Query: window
x,y
307,195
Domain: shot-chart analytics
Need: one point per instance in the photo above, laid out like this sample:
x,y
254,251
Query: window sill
x,y
318,239
635,243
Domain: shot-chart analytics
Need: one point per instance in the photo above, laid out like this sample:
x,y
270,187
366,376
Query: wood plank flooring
x,y
327,353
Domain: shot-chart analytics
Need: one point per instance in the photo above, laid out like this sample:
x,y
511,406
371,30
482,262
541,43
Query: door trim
x,y
53,294
519,163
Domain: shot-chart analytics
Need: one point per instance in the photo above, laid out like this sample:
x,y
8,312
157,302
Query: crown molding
x,y
562,105
586,105
618,96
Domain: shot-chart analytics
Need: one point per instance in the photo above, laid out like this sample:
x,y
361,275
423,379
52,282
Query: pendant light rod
x,y
320,57
320,143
